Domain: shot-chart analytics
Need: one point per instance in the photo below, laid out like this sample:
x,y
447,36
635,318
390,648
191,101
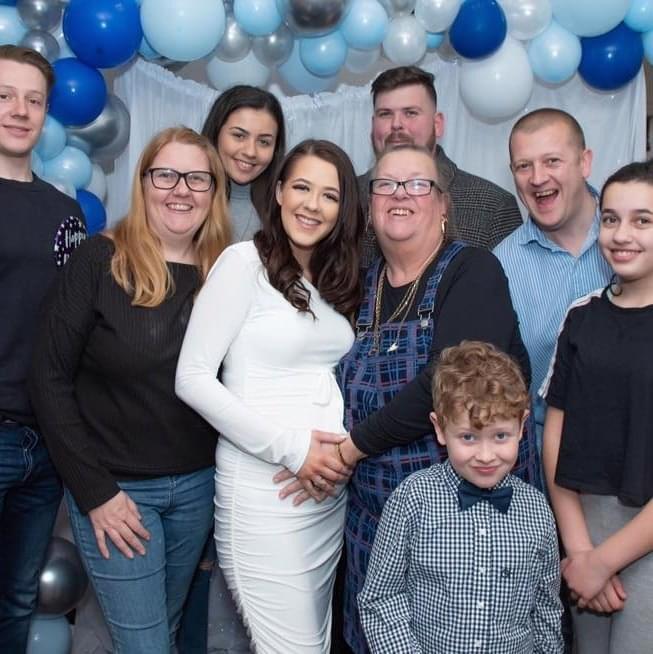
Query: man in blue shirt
x,y
553,258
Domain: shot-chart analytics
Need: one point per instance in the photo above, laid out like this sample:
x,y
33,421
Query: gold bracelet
x,y
342,458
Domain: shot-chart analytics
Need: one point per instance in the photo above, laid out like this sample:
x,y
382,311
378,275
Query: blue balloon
x,y
12,28
37,164
323,55
611,60
49,635
640,15
70,166
52,139
554,54
93,210
365,25
103,33
257,17
479,29
589,17
79,93
434,40
294,73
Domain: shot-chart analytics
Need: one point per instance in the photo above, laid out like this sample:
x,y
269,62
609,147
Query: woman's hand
x,y
302,489
322,465
120,520
585,573
612,598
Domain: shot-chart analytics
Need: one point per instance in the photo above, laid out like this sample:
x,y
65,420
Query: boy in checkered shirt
x,y
466,556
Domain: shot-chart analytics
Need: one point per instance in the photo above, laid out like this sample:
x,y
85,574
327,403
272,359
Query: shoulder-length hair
x,y
334,263
244,96
138,264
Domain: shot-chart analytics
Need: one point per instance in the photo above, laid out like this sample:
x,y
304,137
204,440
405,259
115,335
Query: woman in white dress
x,y
275,317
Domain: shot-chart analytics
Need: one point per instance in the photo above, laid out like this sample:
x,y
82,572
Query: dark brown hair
x,y
393,78
23,55
637,171
334,264
250,97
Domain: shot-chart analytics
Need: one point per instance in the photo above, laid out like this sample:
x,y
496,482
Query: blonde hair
x,y
478,380
138,264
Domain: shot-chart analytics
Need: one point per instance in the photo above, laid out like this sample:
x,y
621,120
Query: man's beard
x,y
401,138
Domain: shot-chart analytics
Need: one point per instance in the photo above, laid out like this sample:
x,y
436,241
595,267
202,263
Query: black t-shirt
x,y
39,229
103,380
472,303
603,381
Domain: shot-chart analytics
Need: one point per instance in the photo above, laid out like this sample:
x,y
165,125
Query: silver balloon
x,y
405,41
39,14
235,43
275,48
527,18
313,17
397,7
437,15
43,42
108,134
63,579
360,62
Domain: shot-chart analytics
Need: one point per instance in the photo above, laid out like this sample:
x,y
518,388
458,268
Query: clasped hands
x,y
592,584
321,473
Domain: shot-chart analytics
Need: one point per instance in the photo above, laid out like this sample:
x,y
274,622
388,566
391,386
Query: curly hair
x,y
334,262
478,380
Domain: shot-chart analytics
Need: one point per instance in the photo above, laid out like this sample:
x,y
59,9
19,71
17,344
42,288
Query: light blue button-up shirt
x,y
544,280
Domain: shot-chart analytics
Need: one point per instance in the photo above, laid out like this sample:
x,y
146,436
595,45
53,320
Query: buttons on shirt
x,y
480,604
481,570
482,531
478,644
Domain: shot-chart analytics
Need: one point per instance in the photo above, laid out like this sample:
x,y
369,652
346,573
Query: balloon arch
x,y
501,46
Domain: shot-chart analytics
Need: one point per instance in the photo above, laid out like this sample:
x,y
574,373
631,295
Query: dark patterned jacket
x,y
482,213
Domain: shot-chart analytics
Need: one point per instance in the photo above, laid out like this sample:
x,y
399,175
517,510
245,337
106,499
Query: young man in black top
x,y
39,228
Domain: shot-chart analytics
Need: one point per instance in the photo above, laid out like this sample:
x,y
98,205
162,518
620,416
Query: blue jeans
x,y
142,598
30,493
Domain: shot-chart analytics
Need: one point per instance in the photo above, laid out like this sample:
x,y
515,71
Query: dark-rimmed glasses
x,y
381,186
166,179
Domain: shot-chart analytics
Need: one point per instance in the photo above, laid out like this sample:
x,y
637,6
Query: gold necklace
x,y
404,305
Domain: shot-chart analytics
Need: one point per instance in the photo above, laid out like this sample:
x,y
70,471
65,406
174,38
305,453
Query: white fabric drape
x,y
614,123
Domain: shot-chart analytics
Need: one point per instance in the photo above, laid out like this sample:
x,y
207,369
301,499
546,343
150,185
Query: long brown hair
x,y
138,264
334,263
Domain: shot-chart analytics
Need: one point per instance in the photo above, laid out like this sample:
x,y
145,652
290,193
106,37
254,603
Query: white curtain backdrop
x,y
614,123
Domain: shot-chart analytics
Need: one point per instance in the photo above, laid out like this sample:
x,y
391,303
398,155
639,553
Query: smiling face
x,y
401,218
626,236
405,115
23,104
309,198
550,169
482,456
175,215
246,143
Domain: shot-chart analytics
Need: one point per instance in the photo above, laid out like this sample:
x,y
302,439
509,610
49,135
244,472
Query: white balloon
x,y
249,70
405,41
497,87
361,61
527,18
98,183
437,15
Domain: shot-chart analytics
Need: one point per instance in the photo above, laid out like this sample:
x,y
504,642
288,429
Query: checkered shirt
x,y
446,581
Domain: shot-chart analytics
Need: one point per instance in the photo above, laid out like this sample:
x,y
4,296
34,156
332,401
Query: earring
x,y
443,224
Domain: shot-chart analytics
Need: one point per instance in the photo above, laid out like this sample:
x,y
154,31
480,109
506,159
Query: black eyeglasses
x,y
417,186
167,178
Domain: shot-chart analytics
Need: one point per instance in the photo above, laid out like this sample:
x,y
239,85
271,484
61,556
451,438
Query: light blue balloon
x,y
294,73
323,55
12,28
589,17
365,25
640,15
183,30
147,51
555,54
257,17
434,40
52,140
71,166
37,164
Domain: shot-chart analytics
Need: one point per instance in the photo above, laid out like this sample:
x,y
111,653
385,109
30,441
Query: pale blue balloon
x,y
555,54
183,30
70,166
147,51
365,25
640,15
589,17
37,164
323,55
12,28
294,73
647,41
257,17
52,140
249,70
434,40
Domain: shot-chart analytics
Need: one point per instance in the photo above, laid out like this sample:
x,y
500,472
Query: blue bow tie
x,y
468,495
